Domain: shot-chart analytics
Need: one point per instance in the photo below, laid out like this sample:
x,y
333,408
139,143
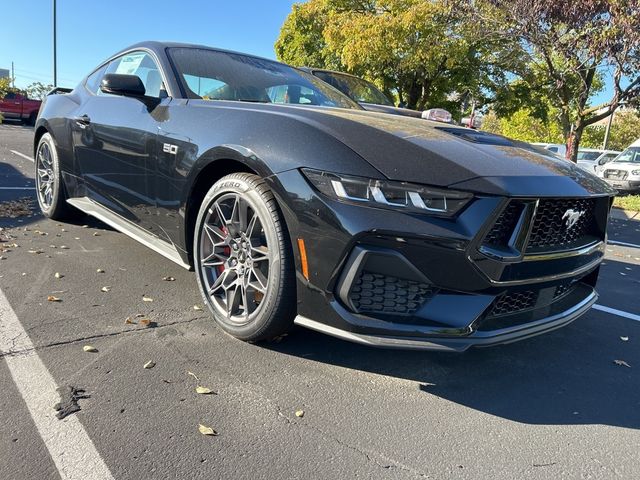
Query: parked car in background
x,y
17,106
623,172
558,149
590,158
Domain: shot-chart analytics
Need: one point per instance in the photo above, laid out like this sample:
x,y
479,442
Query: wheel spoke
x,y
213,230
261,281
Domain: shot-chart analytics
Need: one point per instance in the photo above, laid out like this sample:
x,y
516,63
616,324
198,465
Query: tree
x,y
625,129
523,125
38,90
567,45
423,50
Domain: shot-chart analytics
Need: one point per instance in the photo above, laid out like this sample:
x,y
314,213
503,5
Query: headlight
x,y
635,172
388,194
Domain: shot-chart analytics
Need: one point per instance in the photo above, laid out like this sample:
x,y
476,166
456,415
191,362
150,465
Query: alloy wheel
x,y
234,258
45,175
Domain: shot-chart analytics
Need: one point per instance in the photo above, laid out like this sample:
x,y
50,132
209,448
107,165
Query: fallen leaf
x,y
197,308
96,234
58,275
203,390
149,365
89,348
51,298
64,247
194,376
207,430
85,226
145,322
129,321
622,363
100,270
624,339
105,289
299,413
147,299
37,252
168,279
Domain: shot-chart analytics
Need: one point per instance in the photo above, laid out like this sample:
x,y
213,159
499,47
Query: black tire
x,y
57,208
31,121
274,308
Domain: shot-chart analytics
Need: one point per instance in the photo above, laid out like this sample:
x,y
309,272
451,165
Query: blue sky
x,y
90,31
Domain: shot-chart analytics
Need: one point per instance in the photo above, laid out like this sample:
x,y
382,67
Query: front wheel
x,y
243,259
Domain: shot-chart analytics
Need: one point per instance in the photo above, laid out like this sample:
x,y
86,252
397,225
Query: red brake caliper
x,y
226,250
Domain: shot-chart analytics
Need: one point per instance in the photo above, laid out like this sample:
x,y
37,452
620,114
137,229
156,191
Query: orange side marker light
x,y
303,258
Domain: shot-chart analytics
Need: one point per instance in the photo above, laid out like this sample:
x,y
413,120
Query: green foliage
x,y
625,129
523,125
422,50
628,202
38,90
5,86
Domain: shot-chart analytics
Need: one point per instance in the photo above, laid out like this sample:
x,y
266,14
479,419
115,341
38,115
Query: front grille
x,y
550,228
509,303
377,293
513,302
502,230
616,174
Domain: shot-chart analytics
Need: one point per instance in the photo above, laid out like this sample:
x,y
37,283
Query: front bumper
x,y
476,338
624,185
389,279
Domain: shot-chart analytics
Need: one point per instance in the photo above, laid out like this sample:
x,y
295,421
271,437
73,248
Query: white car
x,y
558,149
623,172
590,159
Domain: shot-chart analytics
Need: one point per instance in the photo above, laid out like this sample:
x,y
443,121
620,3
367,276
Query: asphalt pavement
x,y
562,405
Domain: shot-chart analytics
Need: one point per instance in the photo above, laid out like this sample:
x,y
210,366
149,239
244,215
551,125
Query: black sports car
x,y
294,205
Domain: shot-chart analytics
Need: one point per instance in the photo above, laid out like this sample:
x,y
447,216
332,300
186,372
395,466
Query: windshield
x,y
215,75
582,155
355,88
630,155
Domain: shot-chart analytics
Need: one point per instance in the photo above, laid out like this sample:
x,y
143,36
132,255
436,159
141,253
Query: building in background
x,y
4,73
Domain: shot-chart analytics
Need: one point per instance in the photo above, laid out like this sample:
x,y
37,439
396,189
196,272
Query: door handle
x,y
82,121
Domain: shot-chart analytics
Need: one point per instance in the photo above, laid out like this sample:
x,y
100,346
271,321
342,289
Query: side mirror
x,y
604,160
120,84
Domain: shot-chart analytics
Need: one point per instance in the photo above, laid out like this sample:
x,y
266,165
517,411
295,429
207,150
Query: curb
x,y
621,214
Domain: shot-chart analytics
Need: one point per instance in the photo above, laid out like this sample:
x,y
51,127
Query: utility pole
x,y
605,144
55,53
13,76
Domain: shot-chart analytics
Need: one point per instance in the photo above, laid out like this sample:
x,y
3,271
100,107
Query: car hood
x,y
432,153
622,166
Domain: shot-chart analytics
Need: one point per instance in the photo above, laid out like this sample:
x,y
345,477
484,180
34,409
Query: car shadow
x,y
565,377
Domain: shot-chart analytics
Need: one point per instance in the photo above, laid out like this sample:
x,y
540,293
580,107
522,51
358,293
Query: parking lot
x,y
562,405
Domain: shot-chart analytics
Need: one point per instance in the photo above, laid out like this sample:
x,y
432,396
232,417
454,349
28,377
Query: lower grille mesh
x,y
377,293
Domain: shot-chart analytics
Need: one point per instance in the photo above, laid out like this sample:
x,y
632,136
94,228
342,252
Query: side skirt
x,y
154,243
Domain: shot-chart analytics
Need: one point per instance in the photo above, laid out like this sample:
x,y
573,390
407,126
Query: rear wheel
x,y
50,190
243,259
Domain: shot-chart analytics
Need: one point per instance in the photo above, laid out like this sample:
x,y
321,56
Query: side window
x,y
10,96
142,65
553,149
93,80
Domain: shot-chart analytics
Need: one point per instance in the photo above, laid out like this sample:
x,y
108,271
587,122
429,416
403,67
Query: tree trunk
x,y
413,94
574,141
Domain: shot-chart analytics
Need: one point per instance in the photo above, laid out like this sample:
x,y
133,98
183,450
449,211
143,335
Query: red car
x,y
15,105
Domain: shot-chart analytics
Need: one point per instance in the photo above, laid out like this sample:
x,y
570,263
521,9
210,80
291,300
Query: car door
x,y
115,140
11,105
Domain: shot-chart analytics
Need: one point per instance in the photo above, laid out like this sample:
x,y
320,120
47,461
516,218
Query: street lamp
x,y
55,54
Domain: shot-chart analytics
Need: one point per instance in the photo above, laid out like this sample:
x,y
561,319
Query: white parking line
x,y
22,155
620,313
17,188
624,244
68,443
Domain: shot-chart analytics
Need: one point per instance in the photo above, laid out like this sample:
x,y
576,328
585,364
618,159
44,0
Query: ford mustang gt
x,y
295,206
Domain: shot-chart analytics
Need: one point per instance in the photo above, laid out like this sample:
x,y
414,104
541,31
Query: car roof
x,y
160,46
312,69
